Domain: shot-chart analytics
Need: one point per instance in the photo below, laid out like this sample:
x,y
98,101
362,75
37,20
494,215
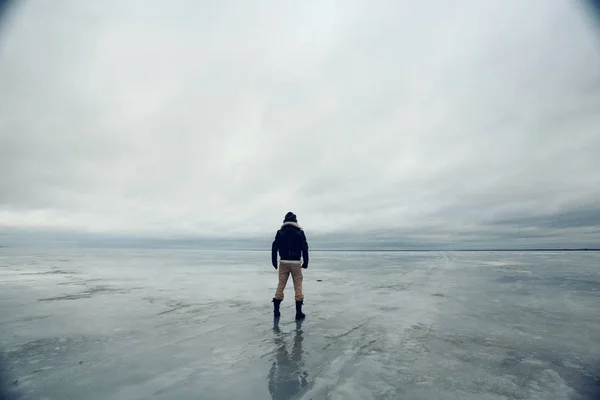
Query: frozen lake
x,y
171,324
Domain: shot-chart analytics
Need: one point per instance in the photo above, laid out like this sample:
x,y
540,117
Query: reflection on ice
x,y
288,374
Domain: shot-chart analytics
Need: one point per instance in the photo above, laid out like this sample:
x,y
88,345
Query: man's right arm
x,y
274,248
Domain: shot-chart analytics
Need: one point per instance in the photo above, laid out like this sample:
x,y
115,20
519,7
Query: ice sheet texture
x,y
188,324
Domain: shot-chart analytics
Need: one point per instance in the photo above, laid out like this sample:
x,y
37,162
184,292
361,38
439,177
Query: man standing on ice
x,y
290,242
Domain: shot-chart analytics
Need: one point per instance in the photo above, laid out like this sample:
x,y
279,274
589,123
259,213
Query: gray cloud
x,y
586,217
427,124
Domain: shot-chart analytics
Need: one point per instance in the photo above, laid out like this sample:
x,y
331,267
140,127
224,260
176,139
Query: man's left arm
x,y
304,251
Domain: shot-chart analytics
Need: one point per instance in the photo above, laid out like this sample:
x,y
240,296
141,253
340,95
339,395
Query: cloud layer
x,y
422,122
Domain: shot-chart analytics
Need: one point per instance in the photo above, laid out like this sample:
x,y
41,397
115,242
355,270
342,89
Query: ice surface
x,y
182,324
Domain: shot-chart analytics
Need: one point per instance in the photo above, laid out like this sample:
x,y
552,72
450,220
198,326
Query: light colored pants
x,y
285,269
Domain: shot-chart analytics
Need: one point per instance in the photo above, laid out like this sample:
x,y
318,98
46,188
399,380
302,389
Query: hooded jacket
x,y
290,242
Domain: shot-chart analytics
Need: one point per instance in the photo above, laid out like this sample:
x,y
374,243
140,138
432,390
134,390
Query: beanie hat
x,y
290,217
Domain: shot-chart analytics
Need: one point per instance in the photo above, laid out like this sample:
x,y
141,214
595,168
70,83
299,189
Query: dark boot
x,y
299,313
276,304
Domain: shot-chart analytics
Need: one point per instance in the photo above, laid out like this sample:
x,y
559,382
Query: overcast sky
x,y
427,123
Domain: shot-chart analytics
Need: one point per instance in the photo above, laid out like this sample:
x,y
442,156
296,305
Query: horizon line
x,y
325,249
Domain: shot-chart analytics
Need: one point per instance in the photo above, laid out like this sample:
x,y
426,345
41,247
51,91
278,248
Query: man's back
x,y
290,241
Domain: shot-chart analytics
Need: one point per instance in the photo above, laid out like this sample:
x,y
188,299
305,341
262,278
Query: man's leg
x,y
297,279
284,274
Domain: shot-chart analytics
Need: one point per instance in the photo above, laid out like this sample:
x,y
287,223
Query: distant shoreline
x,y
455,250
414,250
331,250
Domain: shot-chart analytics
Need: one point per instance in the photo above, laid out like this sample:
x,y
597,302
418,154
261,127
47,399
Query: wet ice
x,y
179,324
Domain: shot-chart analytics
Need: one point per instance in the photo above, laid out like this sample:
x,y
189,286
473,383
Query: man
x,y
290,242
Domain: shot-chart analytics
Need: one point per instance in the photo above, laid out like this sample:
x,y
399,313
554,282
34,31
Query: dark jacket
x,y
290,242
